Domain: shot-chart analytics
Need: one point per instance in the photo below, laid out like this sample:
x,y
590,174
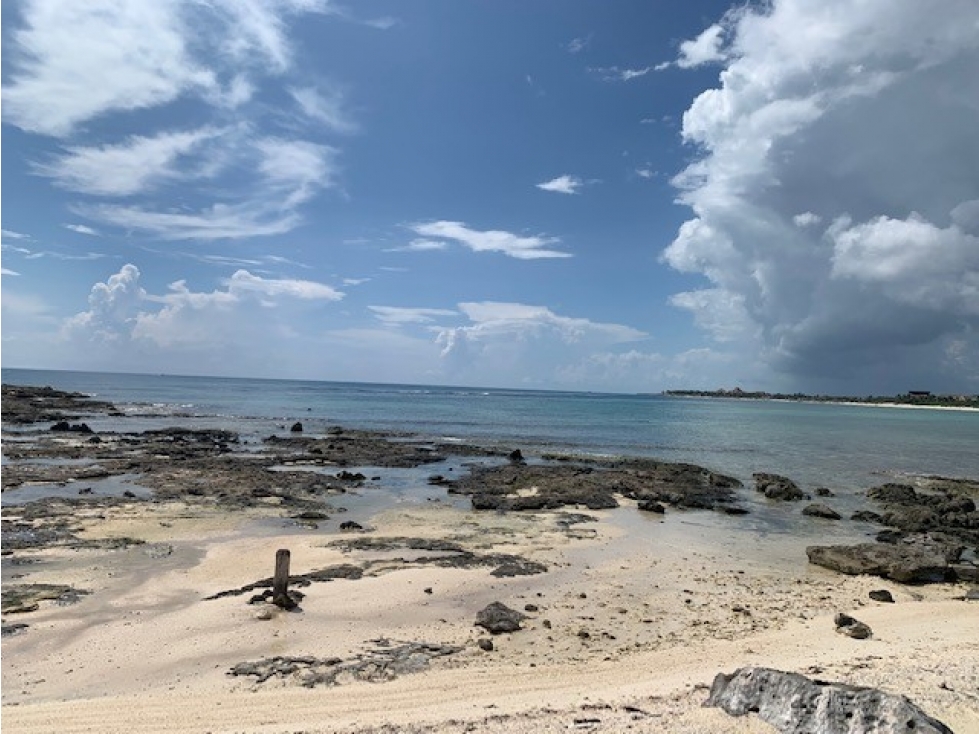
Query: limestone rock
x,y
794,704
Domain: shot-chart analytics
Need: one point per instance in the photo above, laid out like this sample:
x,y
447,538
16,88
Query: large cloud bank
x,y
835,192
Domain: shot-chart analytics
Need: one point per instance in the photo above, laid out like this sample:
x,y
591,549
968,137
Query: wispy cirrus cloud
x,y
213,181
508,243
131,167
420,244
398,315
83,229
327,108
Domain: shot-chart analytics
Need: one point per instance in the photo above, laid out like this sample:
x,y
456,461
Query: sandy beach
x,y
144,613
628,633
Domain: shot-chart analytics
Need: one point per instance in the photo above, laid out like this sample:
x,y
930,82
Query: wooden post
x,y
280,582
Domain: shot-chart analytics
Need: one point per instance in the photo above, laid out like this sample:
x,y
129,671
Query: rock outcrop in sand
x,y
794,704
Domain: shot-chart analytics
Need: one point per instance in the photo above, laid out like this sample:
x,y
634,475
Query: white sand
x,y
660,606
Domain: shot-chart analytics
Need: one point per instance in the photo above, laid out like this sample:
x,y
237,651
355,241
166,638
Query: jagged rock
x,y
297,427
497,618
818,510
794,704
852,627
905,563
350,525
777,487
516,456
893,494
882,595
824,492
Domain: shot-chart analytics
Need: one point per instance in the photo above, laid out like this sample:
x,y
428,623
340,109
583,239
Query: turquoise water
x,y
840,446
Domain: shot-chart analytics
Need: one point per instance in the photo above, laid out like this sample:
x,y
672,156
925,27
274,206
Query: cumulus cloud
x,y
833,193
515,342
246,306
513,245
562,184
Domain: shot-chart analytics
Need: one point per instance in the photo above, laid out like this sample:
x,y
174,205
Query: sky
x,y
618,197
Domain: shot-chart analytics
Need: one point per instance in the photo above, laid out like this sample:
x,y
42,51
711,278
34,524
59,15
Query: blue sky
x,y
627,196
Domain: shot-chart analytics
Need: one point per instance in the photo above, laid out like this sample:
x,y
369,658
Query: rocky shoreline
x,y
929,531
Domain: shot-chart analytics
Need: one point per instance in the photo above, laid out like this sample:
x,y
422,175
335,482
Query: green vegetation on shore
x,y
920,398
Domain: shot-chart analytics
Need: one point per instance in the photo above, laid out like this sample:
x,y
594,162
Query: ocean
x,y
847,448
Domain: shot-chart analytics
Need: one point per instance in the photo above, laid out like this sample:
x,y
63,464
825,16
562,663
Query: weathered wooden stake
x,y
280,582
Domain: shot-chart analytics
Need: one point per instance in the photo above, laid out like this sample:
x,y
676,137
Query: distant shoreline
x,y
969,406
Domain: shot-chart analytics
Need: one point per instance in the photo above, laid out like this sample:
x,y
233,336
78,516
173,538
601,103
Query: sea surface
x,y
847,448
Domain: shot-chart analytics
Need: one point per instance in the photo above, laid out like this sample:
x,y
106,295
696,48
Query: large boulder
x,y
794,704
908,564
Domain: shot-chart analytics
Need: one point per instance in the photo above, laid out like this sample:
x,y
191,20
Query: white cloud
x,y
287,173
220,221
509,343
65,71
5,271
83,229
577,45
397,315
517,246
121,312
421,245
127,168
802,130
113,306
806,219
328,109
617,74
296,169
11,235
704,49
562,184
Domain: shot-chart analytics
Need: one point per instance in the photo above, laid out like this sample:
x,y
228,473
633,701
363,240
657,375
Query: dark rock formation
x,y
852,627
297,427
882,595
66,427
777,487
350,525
865,516
24,404
905,563
651,506
594,484
516,456
498,618
824,492
819,510
794,704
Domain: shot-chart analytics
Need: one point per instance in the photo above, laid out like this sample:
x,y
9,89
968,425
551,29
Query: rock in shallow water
x,y
794,704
